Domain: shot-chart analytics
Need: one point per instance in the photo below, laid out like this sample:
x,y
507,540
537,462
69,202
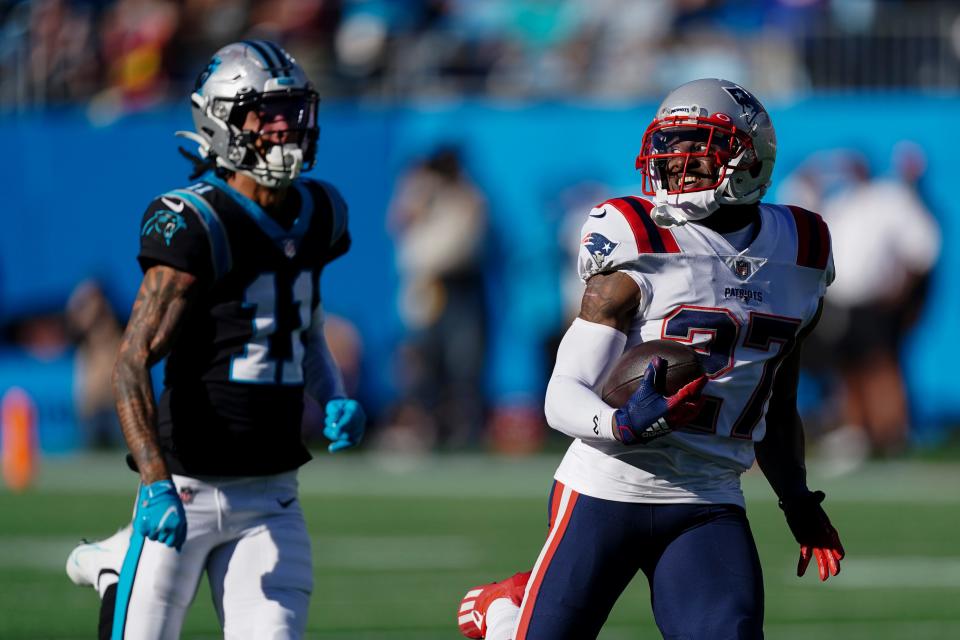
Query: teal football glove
x,y
160,515
345,424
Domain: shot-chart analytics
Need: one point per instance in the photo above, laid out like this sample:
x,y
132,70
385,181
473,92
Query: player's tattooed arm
x,y
161,305
610,299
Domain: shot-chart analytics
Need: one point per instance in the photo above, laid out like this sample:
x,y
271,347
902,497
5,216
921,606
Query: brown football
x,y
683,366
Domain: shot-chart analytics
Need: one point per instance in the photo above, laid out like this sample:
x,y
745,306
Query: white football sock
x,y
502,616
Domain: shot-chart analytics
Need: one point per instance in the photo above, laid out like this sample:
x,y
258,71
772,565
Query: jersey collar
x,y
281,237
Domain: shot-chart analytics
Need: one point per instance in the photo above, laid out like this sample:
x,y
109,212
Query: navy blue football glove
x,y
345,424
160,515
649,414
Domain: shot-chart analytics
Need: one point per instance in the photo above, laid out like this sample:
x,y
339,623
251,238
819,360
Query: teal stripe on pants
x,y
128,575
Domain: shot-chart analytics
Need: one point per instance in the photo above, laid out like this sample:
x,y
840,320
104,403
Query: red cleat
x,y
473,608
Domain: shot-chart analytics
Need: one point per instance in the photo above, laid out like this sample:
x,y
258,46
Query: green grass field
x,y
396,543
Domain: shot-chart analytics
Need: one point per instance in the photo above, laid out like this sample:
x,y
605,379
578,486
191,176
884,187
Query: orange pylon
x,y
18,438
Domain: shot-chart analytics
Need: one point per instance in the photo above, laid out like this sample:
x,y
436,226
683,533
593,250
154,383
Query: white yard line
x,y
375,553
43,554
862,630
893,572
482,476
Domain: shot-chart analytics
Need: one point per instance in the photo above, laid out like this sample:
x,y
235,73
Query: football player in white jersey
x,y
655,485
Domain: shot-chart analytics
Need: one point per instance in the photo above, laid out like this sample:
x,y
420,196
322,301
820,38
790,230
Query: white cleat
x,y
89,560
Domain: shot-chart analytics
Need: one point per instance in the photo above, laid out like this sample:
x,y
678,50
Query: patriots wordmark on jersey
x,y
233,386
741,310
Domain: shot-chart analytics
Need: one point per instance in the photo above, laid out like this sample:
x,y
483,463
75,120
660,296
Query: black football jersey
x,y
232,401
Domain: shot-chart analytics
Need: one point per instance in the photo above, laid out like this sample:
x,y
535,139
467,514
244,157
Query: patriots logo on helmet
x,y
165,224
751,107
599,246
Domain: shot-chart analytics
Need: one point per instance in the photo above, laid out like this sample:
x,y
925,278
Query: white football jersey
x,y
741,310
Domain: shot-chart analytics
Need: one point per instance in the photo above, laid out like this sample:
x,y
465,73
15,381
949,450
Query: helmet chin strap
x,y
286,158
279,166
680,208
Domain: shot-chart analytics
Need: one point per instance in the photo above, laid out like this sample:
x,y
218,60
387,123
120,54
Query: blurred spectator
x,y
204,26
135,36
305,27
124,53
97,332
517,428
910,165
42,335
438,219
885,243
48,53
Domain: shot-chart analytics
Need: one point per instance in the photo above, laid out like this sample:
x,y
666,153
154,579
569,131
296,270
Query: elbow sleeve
x,y
584,357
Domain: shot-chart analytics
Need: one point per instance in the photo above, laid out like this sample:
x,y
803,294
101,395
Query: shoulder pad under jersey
x,y
339,233
180,228
616,232
813,241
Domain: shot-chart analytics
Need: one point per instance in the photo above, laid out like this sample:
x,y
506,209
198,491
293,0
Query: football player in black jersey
x,y
230,296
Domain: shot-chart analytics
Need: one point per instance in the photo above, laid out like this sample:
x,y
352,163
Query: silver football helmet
x,y
255,113
706,123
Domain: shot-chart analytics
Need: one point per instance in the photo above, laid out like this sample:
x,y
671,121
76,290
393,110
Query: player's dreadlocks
x,y
202,165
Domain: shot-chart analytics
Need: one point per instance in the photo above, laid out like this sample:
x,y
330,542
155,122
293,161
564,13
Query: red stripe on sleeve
x,y
803,234
669,241
824,244
639,231
666,236
556,535
813,238
649,237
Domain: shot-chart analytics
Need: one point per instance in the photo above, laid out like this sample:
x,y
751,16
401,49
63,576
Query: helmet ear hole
x,y
756,168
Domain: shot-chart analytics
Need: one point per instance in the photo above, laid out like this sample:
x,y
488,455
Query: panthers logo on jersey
x,y
165,224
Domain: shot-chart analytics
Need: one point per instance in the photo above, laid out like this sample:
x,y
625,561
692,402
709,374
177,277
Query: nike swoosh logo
x,y
177,208
597,215
286,503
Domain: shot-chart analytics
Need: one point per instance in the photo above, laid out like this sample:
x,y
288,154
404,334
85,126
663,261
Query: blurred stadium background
x,y
530,111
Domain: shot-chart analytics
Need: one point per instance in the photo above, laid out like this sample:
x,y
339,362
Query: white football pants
x,y
250,537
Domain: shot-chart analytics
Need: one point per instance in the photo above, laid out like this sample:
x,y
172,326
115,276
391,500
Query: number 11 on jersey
x,y
274,353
